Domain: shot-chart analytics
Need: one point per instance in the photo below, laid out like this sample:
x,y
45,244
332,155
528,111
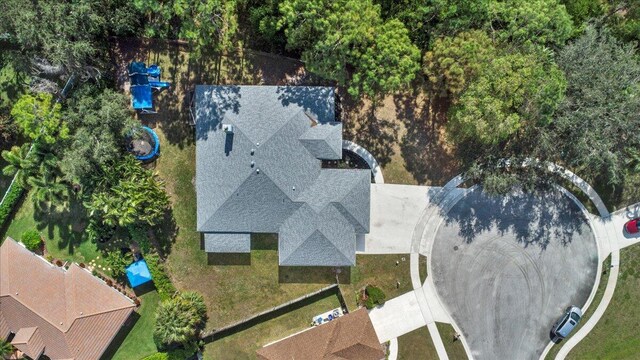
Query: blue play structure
x,y
138,273
143,81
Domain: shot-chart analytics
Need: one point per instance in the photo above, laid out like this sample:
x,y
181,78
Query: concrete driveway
x,y
506,268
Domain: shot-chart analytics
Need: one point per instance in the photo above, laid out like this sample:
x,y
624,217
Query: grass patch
x,y
422,268
381,271
594,304
62,229
454,348
243,345
416,345
615,336
139,336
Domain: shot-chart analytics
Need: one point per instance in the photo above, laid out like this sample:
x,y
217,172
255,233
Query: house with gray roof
x,y
259,152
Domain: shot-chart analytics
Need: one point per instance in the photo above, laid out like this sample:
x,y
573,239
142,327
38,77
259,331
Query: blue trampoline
x,y
138,273
144,145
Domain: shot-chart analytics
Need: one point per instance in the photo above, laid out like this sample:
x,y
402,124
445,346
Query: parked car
x,y
632,226
567,322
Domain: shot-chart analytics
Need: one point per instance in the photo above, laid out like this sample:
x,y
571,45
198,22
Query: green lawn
x,y
381,271
139,338
62,229
454,348
244,344
417,345
594,304
615,336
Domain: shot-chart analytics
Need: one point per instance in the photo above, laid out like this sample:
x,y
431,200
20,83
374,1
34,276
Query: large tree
x,y
347,41
99,122
388,64
206,24
66,33
180,320
453,62
39,117
539,22
510,90
594,128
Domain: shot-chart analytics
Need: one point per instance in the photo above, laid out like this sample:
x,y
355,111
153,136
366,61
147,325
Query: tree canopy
x,y
40,118
99,122
180,320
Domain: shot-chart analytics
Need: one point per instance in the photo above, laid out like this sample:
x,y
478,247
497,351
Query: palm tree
x,y
19,160
6,349
47,190
180,320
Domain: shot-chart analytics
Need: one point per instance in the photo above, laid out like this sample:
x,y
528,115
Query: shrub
x,y
375,296
177,354
58,263
31,239
160,279
138,234
179,321
118,262
9,202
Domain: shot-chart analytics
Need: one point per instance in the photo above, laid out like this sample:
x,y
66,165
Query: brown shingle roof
x,y
76,314
28,341
349,337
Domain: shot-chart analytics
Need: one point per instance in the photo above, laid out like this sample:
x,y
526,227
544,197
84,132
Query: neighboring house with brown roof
x,y
348,337
63,314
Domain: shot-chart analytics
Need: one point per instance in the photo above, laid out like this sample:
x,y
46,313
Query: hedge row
x,y
160,278
178,354
14,194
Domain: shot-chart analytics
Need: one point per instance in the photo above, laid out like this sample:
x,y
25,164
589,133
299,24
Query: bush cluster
x,y
177,354
9,202
160,278
375,296
31,239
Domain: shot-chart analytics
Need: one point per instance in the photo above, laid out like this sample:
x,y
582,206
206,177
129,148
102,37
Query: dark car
x,y
567,322
631,227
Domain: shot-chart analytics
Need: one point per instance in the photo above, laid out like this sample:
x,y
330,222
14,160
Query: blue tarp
x,y
138,273
137,67
141,97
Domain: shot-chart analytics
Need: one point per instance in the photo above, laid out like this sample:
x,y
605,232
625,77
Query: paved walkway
x,y
397,317
366,155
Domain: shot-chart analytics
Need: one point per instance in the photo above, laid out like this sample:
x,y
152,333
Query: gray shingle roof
x,y
266,176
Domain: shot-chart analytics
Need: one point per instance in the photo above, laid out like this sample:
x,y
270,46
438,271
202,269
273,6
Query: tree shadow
x,y
319,101
69,221
372,132
120,336
424,147
314,275
534,219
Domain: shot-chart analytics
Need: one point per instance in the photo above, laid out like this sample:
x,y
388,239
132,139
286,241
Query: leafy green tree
x,y
39,117
206,24
126,194
537,22
118,262
593,130
453,62
346,41
375,297
389,64
583,10
99,123
623,17
180,320
66,33
512,90
18,160
332,34
31,239
7,129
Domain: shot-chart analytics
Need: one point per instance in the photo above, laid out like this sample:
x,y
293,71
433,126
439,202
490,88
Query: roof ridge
x,y
33,311
333,338
97,314
273,133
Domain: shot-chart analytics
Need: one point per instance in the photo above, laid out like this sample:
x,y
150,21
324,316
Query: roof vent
x,y
253,151
253,163
257,144
257,171
294,188
227,128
